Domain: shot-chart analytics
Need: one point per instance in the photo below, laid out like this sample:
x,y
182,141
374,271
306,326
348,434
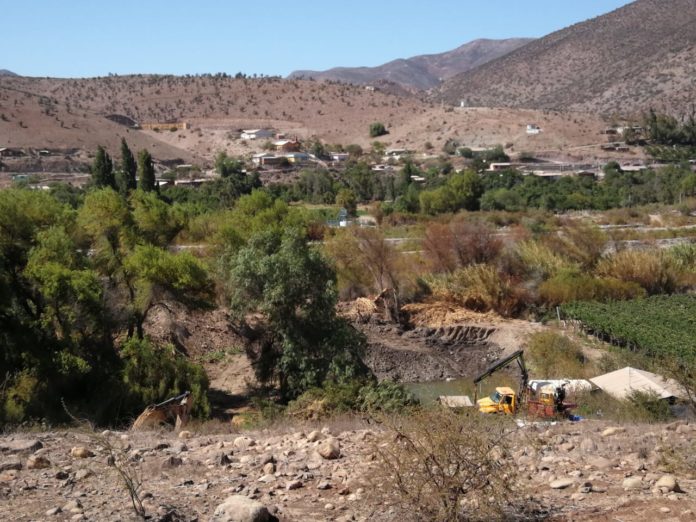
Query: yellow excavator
x,y
505,400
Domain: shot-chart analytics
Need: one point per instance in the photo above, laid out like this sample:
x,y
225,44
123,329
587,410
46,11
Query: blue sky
x,y
77,38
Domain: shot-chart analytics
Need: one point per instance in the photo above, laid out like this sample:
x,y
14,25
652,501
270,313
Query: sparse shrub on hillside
x,y
579,242
481,288
442,466
539,260
460,243
355,396
377,129
654,270
154,373
571,285
555,356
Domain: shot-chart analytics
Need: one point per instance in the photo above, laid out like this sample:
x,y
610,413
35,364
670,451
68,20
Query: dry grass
x,y
442,466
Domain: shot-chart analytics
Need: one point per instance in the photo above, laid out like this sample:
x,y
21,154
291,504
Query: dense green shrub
x,y
154,373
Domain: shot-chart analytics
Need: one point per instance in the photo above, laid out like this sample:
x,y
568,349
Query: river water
x,y
428,392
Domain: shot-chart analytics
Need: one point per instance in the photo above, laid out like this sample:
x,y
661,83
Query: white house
x,y
256,134
533,128
339,156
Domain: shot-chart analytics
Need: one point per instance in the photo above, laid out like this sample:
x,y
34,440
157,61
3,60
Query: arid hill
x,y
63,113
5,72
424,71
641,55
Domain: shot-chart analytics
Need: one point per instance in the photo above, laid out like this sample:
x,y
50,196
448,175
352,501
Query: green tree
x,y
377,129
346,199
146,171
126,177
302,343
103,169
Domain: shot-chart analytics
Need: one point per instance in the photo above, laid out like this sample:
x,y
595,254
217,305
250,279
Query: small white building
x,y
256,134
533,128
339,156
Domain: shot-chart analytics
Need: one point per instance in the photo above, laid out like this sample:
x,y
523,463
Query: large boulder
x,y
238,508
329,449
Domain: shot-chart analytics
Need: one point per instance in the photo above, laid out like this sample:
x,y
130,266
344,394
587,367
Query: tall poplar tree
x,y
146,171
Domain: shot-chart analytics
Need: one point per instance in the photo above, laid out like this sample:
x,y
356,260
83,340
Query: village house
x,y
533,128
8,152
266,159
339,156
287,145
297,157
256,134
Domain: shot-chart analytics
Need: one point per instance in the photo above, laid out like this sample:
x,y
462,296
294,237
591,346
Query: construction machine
x,y
548,402
503,399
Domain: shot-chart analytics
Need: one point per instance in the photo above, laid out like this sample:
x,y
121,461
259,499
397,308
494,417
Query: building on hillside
x,y
9,152
256,134
165,125
266,159
339,156
287,145
533,128
297,157
496,167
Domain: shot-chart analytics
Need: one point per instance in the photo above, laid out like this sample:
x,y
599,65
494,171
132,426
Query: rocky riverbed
x,y
569,471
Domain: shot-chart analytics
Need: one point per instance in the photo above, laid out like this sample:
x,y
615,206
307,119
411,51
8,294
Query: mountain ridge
x,y
640,55
422,71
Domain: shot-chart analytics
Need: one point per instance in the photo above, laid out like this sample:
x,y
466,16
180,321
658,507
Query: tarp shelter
x,y
455,401
623,382
571,385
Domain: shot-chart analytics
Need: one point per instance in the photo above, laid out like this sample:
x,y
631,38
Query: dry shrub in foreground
x,y
443,466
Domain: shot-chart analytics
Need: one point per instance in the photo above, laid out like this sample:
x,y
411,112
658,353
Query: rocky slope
x,y
568,471
424,71
641,55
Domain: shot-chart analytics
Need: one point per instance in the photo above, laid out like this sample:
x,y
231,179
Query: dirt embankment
x,y
436,341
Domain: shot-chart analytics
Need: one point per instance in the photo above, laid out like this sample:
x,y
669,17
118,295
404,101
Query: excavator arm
x,y
499,365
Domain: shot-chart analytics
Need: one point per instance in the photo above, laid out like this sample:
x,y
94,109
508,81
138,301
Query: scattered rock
x,y
330,449
667,483
244,442
324,485
665,510
73,506
80,452
221,459
329,507
587,445
61,475
613,431
185,434
267,478
82,474
53,512
13,464
314,436
9,475
294,484
172,462
561,483
21,446
633,483
238,508
38,462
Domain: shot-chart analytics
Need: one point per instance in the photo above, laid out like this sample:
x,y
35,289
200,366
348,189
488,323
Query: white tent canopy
x,y
623,382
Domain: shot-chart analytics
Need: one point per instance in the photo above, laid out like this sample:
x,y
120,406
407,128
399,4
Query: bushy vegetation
x,y
352,396
443,467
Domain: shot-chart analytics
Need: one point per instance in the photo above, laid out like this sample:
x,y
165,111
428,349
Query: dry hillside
x,y
641,55
424,71
72,113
